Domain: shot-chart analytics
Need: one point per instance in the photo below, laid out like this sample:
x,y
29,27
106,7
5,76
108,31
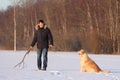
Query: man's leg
x,y
45,58
39,61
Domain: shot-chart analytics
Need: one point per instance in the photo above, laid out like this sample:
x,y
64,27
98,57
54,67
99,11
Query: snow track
x,y
61,66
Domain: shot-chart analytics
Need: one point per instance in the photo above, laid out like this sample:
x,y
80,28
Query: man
x,y
44,40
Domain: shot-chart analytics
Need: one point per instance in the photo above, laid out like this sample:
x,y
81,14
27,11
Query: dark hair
x,y
41,21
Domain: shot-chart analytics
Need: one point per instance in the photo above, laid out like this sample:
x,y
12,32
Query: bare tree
x,y
14,19
72,22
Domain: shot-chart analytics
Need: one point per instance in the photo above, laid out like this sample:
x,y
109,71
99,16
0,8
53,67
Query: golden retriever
x,y
87,64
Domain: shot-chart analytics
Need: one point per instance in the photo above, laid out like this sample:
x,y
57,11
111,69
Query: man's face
x,y
41,25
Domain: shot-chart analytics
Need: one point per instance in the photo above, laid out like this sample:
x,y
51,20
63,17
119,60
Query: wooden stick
x,y
22,61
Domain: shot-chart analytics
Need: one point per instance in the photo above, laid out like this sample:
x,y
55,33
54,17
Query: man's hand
x,y
30,48
50,46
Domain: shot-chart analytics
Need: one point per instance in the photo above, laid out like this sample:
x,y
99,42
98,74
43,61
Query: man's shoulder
x,y
46,28
36,27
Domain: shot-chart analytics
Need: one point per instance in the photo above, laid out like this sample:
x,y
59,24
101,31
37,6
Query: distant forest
x,y
93,25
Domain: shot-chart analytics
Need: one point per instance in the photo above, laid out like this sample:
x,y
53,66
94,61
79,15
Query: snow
x,y
61,66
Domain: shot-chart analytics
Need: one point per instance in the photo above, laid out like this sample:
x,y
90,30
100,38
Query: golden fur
x,y
87,64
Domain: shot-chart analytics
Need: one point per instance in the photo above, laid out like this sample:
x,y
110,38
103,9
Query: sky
x,y
4,4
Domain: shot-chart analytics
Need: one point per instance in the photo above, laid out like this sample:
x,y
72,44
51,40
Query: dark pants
x,y
42,52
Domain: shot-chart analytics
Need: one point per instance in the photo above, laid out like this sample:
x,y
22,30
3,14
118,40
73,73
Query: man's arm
x,y
50,38
34,39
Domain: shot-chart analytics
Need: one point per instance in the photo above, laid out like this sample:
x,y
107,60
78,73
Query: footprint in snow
x,y
60,74
55,73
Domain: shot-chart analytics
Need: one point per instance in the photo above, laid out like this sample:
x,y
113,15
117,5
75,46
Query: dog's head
x,y
81,52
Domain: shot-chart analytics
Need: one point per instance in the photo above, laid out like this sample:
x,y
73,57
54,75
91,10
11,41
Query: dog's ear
x,y
81,52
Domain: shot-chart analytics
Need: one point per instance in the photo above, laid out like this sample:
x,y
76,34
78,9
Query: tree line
x,y
90,24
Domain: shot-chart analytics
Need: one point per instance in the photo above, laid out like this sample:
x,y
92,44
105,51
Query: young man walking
x,y
43,38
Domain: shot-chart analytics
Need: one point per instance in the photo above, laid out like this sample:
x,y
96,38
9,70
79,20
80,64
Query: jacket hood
x,y
37,27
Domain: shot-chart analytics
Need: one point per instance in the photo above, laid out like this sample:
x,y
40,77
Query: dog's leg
x,y
82,69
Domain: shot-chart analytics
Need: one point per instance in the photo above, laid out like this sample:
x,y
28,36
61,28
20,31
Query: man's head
x,y
41,23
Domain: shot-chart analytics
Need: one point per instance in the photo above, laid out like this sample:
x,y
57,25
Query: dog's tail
x,y
105,71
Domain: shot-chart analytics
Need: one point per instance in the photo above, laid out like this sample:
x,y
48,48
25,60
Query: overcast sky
x,y
4,4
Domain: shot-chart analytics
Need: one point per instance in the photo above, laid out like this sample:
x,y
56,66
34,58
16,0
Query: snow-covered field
x,y
61,66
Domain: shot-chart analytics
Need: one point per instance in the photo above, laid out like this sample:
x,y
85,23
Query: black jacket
x,y
43,38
